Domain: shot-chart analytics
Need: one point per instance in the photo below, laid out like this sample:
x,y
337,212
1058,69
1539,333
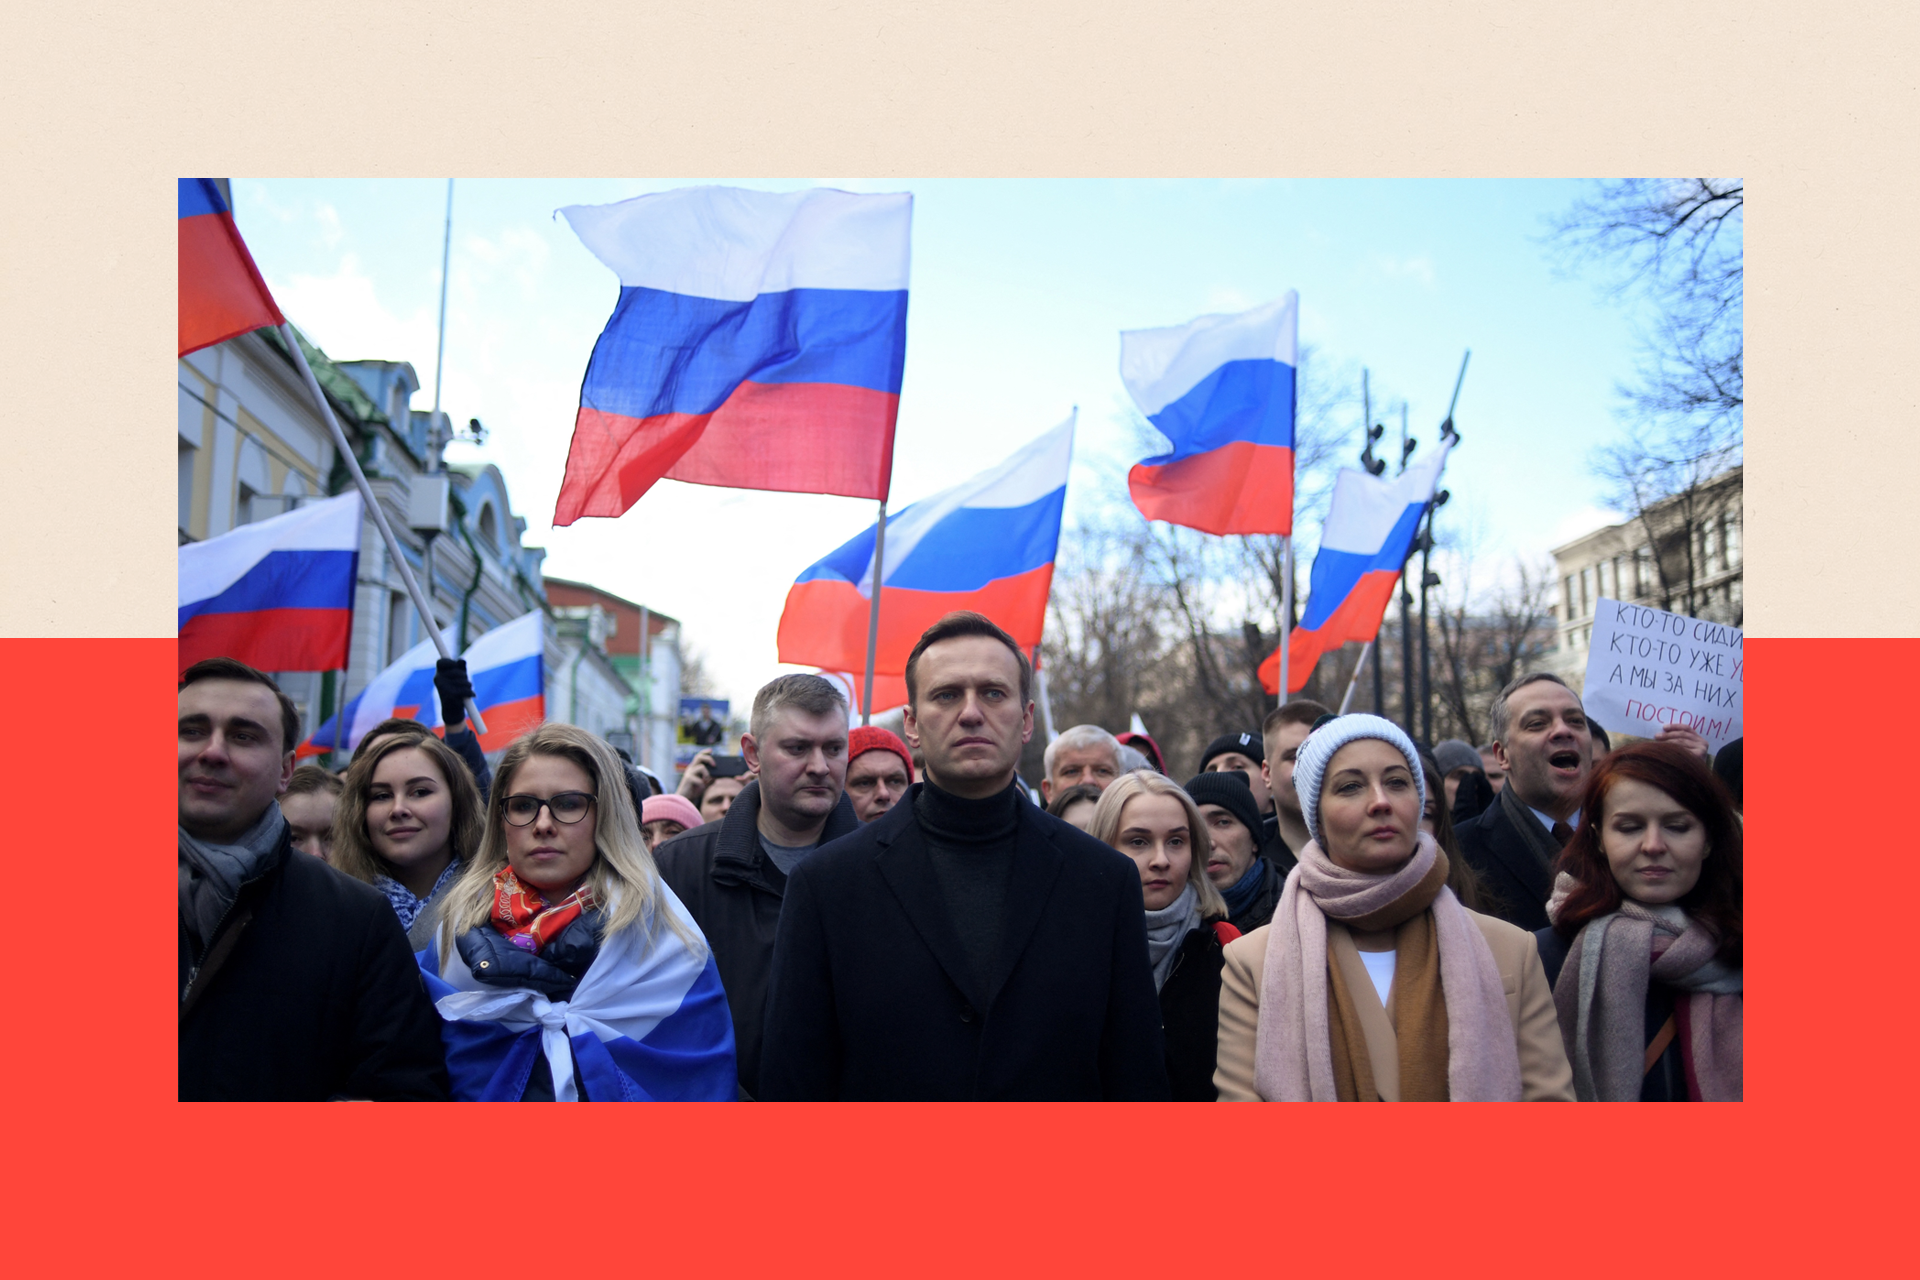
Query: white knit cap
x,y
1310,764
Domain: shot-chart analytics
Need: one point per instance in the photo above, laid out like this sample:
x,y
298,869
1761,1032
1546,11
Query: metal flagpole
x,y
1286,611
1040,686
1286,552
1354,683
873,613
373,508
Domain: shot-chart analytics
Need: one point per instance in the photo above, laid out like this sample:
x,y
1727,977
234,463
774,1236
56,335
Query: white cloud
x,y
1418,268
344,315
331,232
1582,521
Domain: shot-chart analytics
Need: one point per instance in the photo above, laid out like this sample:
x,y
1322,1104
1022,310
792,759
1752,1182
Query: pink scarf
x,y
1293,1046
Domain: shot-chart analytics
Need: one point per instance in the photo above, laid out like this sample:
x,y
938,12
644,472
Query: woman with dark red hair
x,y
1645,948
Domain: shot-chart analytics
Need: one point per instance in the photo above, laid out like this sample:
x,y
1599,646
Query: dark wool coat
x,y
317,998
1515,883
733,891
1190,1015
869,976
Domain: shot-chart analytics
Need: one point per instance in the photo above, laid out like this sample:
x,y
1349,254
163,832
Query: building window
x,y
399,613
489,526
1733,541
1710,545
1586,592
1567,600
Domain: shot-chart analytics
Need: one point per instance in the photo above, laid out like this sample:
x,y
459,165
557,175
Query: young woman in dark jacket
x,y
1150,819
1644,952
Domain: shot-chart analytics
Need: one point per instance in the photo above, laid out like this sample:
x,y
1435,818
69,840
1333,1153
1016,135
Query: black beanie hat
x,y
1247,744
1230,791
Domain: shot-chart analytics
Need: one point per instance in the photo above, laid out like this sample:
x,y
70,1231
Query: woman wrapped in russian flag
x,y
562,967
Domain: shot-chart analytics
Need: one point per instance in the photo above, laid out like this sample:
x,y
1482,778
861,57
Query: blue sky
x,y
1019,291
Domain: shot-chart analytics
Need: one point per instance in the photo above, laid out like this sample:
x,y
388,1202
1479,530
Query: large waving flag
x,y
758,344
987,544
1221,389
506,665
277,594
648,1022
221,292
1370,529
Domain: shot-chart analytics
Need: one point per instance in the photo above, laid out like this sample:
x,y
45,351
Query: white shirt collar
x,y
1548,822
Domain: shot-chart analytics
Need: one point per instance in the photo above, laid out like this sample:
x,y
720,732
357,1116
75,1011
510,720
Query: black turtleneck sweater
x,y
971,843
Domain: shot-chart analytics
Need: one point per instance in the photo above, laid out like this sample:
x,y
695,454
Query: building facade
x,y
643,645
1684,557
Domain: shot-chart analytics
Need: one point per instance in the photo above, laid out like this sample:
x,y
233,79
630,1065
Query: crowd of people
x,y
1323,910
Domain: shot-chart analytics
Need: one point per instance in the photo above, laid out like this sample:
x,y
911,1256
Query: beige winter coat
x,y
1544,1073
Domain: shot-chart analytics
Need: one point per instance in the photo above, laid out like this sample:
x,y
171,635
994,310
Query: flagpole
x,y
873,612
1286,543
373,508
1040,686
1354,683
1286,611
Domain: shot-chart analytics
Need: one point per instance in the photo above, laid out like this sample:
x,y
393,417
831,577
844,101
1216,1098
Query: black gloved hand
x,y
455,690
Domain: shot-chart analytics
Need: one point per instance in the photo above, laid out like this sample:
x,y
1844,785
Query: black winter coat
x,y
1667,1082
317,998
1190,1015
869,1000
733,891
1515,884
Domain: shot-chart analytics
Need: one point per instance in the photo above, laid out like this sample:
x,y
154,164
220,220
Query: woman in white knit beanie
x,y
1373,983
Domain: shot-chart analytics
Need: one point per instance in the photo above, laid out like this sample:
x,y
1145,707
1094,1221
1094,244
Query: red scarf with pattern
x,y
526,918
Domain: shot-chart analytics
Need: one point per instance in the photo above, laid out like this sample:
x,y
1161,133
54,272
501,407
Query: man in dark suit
x,y
965,945
1542,739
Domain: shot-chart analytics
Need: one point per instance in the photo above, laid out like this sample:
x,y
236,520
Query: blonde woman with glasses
x,y
562,967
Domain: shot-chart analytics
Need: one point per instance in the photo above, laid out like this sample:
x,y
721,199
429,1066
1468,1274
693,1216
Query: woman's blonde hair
x,y
353,851
623,876
1145,782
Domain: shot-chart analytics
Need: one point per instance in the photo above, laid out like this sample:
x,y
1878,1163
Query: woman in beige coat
x,y
1373,982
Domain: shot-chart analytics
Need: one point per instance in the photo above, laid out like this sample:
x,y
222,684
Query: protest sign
x,y
1647,668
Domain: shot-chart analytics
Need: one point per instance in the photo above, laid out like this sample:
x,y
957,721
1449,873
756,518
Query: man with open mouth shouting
x,y
1542,739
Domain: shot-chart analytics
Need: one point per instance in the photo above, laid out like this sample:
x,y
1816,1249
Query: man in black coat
x,y
965,945
732,874
296,983
1542,739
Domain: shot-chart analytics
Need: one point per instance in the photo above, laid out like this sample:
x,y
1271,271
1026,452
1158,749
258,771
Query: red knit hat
x,y
871,737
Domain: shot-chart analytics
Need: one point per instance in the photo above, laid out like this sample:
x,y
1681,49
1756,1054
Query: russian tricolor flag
x,y
758,343
1221,390
221,292
506,665
987,544
278,594
1370,529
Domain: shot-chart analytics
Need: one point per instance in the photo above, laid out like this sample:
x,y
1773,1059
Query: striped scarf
x,y
526,918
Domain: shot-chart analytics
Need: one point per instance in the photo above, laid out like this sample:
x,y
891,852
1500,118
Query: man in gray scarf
x,y
295,981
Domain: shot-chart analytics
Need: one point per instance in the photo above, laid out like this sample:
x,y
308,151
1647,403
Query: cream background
x,y
103,111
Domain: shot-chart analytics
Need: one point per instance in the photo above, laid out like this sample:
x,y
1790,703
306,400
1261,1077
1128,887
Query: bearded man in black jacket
x,y
964,945
296,983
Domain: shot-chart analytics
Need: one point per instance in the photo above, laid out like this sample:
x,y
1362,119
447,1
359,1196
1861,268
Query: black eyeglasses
x,y
568,807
